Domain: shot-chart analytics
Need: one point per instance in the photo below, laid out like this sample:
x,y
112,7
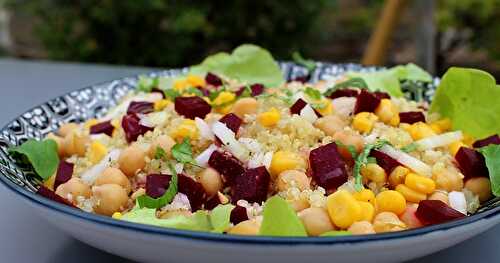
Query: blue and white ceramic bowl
x,y
153,244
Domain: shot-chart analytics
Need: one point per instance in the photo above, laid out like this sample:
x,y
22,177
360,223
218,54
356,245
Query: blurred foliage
x,y
168,32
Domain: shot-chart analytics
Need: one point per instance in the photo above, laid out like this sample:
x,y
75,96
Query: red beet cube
x,y
64,173
238,214
157,184
193,190
232,121
298,106
140,107
385,161
344,93
205,92
366,102
192,107
256,89
213,79
328,167
471,163
382,95
251,186
431,212
103,127
212,202
227,165
411,117
132,128
47,193
494,139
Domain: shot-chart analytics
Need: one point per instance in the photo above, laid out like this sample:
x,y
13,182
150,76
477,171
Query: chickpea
x,y
245,106
349,138
73,188
110,198
131,160
330,124
439,195
176,213
299,205
211,180
113,176
387,222
361,228
248,227
75,143
165,142
480,186
67,128
289,178
316,221
60,143
448,181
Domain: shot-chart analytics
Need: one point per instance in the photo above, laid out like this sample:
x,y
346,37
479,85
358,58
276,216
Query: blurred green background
x,y
169,33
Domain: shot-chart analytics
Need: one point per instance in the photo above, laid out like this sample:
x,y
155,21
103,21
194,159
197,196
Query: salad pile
x,y
233,148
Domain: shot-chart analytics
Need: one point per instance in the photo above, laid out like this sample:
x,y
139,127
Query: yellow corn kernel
x,y
420,130
284,160
455,146
398,175
387,112
405,126
195,81
50,182
180,85
117,215
327,109
224,98
367,211
187,128
161,104
225,109
90,123
269,118
468,140
420,183
363,121
97,151
443,125
410,194
391,201
374,173
435,128
343,209
365,195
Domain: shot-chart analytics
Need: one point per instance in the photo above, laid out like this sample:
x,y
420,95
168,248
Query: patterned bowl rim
x,y
220,238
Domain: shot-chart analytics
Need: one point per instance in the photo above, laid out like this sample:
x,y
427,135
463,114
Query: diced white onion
x,y
91,174
407,160
227,137
344,106
298,95
180,202
121,108
256,160
439,140
308,113
251,144
457,201
203,157
144,121
268,157
205,131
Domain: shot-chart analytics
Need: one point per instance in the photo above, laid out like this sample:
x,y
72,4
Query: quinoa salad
x,y
230,147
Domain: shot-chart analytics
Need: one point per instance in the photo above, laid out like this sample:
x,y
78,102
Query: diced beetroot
x,y
411,117
256,89
132,128
157,90
344,93
204,91
298,106
227,165
103,127
251,186
193,190
328,167
157,184
471,163
494,139
192,107
238,214
385,161
64,173
366,101
432,212
213,79
232,121
382,95
47,193
212,202
140,107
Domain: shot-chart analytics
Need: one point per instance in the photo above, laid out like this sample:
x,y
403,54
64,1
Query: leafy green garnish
x,y
194,90
362,160
411,72
335,233
247,92
213,94
307,63
312,93
350,148
469,98
247,63
220,218
383,80
146,84
350,83
183,153
491,155
410,147
280,219
167,197
171,94
42,155
160,154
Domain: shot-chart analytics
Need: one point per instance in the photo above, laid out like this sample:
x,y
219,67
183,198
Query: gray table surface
x,y
24,237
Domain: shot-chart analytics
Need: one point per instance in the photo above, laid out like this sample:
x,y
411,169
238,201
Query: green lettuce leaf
x,y
42,155
491,155
469,98
280,219
248,63
220,218
383,80
199,221
411,72
335,233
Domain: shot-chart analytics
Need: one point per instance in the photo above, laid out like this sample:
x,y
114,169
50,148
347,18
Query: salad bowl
x,y
146,243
